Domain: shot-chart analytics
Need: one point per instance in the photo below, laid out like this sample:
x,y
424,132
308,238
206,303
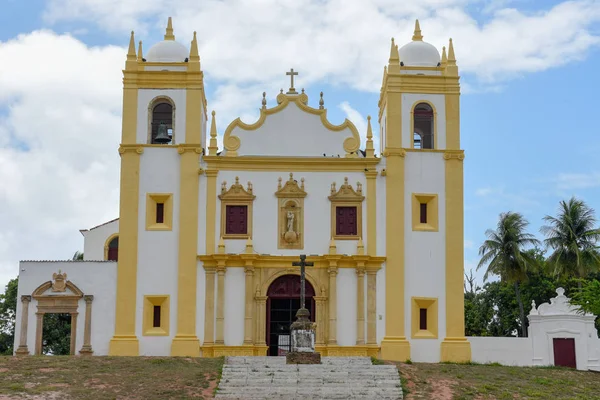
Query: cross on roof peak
x,y
291,74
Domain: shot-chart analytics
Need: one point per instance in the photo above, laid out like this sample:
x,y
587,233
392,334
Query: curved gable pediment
x,y
291,128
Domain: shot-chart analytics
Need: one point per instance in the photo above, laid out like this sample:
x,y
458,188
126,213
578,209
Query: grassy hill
x,y
150,378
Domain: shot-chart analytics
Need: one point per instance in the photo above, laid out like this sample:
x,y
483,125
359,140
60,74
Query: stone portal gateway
x,y
283,303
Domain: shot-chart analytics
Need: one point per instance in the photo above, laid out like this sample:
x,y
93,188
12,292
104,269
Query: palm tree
x,y
504,254
573,236
78,256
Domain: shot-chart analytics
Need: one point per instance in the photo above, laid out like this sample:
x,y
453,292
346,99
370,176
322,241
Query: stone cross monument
x,y
303,330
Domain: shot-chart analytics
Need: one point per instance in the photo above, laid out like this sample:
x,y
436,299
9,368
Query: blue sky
x,y
529,75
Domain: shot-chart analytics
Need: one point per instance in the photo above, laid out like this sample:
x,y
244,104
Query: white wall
x,y
346,306
317,211
425,252
503,350
145,97
94,240
92,278
439,101
158,250
303,134
234,306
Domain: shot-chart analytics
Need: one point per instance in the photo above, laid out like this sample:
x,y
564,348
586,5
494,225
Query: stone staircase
x,y
335,378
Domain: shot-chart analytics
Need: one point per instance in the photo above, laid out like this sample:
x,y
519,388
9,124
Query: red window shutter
x,y
156,317
346,221
423,213
160,213
113,250
236,220
423,319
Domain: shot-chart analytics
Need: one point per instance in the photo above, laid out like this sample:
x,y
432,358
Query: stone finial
x,y
332,247
249,246
533,308
264,100
360,247
169,31
140,56
221,247
417,34
321,102
394,56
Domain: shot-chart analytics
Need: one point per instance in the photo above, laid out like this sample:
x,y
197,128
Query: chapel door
x,y
564,352
282,305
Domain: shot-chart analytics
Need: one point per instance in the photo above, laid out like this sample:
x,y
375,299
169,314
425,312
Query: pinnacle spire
x,y
131,51
394,56
194,55
169,33
213,147
140,56
444,57
451,56
417,35
370,151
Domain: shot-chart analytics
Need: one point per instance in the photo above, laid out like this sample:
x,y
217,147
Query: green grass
x,y
472,381
109,377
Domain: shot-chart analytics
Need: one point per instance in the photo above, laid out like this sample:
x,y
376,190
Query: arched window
x,y
162,113
423,126
113,249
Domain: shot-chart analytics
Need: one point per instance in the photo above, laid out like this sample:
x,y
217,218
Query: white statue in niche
x,y
290,221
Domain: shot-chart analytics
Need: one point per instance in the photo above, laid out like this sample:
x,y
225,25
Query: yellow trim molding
x,y
299,164
149,303
152,199
346,196
284,262
431,305
236,195
431,200
232,143
412,124
107,244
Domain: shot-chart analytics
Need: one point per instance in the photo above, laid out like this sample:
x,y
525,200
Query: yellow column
x,y
261,323
371,212
371,308
455,346
220,303
211,209
332,305
186,342
248,339
360,306
209,312
320,318
125,342
394,345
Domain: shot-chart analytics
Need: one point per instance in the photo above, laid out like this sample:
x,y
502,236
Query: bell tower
x,y
420,141
163,138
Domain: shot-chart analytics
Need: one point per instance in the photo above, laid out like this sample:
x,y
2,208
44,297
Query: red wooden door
x,y
564,352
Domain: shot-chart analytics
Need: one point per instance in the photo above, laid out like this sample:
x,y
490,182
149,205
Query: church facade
x,y
199,262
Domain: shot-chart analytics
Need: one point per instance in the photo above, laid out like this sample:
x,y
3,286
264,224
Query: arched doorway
x,y
282,304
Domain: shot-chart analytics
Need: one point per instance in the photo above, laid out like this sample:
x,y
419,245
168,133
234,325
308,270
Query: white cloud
x,y
63,103
468,244
361,124
347,42
572,181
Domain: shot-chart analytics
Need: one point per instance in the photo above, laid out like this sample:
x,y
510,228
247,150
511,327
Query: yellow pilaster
x,y
394,345
455,346
220,304
371,308
321,324
248,339
125,342
211,209
185,342
209,310
332,340
371,212
261,315
360,306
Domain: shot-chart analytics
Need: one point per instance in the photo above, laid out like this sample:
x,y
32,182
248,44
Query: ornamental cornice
x,y
394,151
454,155
131,148
196,148
222,261
371,173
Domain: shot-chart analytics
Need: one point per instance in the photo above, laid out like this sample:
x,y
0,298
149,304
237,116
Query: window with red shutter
x,y
156,317
423,319
160,213
113,250
237,220
346,221
423,213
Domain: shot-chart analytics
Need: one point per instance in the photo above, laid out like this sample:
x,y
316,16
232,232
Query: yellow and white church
x,y
199,262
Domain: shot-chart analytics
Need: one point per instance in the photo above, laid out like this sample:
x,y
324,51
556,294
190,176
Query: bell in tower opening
x,y
162,137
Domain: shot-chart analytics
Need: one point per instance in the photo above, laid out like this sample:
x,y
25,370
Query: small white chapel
x,y
200,261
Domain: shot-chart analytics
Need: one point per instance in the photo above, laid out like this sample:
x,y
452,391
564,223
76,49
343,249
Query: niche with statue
x,y
290,220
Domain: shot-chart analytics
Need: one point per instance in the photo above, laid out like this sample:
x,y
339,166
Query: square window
x,y
236,220
346,221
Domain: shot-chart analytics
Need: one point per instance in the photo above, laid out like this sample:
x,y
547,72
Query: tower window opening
x,y
423,126
423,213
156,317
160,213
113,249
423,319
162,113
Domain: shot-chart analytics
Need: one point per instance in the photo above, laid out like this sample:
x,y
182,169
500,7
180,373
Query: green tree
x,y
505,256
8,311
56,334
573,237
588,298
78,256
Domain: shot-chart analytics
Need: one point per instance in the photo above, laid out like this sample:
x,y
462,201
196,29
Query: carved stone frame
x,y
64,304
236,195
346,196
290,198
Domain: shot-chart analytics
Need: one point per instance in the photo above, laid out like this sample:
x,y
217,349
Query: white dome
x,y
167,51
419,54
